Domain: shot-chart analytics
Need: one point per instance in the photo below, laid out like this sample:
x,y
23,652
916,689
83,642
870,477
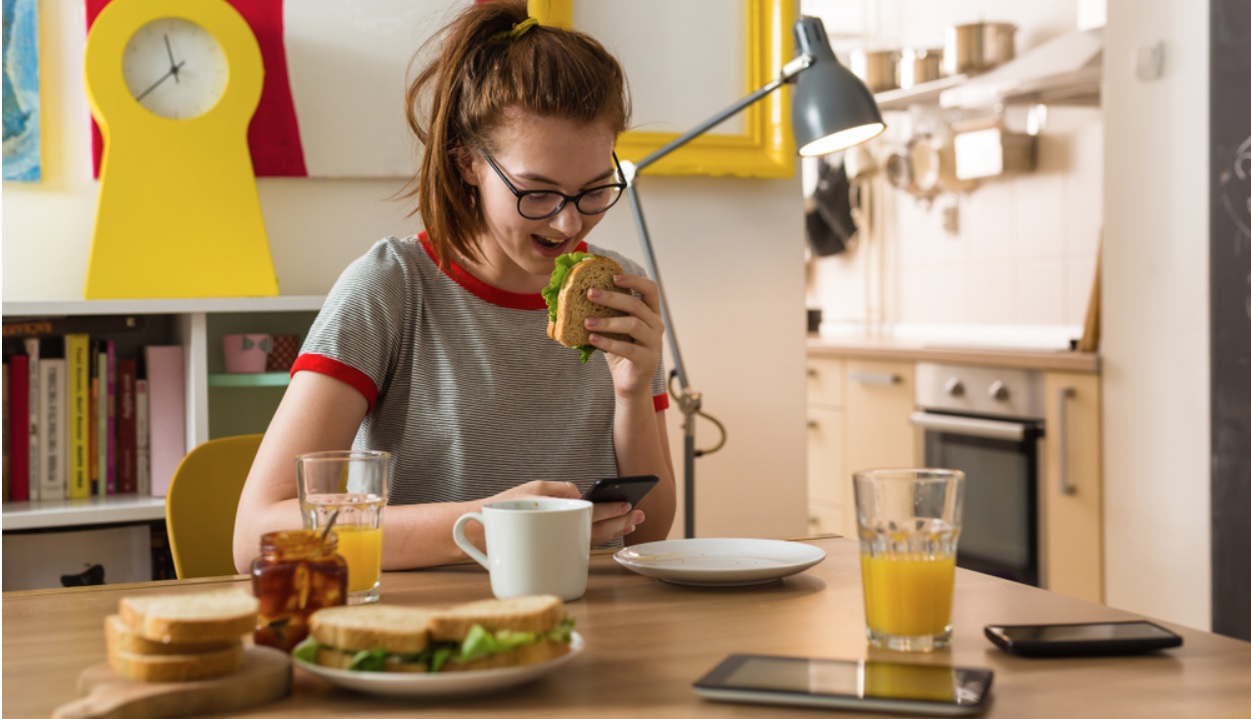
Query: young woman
x,y
434,347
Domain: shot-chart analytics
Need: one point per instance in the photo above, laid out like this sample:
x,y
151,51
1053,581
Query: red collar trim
x,y
480,289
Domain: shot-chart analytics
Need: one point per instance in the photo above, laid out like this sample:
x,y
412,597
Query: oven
x,y
988,423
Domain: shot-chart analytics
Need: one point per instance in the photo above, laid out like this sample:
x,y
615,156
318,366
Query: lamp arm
x,y
689,402
789,72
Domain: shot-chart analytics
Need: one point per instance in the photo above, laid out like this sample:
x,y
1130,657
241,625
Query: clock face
x,y
175,68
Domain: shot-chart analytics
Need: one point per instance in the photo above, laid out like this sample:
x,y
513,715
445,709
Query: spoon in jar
x,y
329,525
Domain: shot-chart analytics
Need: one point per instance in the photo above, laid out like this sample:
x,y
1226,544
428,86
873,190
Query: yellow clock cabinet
x,y
173,87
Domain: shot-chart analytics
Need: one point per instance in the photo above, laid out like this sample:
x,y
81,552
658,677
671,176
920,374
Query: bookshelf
x,y
217,403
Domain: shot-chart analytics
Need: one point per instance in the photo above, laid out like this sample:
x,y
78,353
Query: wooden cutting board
x,y
264,677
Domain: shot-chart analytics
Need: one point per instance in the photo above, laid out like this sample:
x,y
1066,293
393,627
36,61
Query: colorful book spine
x,y
33,456
143,455
78,358
93,439
107,416
18,394
6,398
167,414
127,447
101,420
53,435
78,353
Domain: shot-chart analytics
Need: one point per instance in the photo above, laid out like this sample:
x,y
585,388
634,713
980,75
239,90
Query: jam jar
x,y
297,573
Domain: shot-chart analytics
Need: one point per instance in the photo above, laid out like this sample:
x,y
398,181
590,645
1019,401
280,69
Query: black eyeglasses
x,y
542,204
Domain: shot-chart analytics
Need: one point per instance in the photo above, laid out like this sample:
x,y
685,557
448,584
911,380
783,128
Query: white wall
x,y
1156,378
730,253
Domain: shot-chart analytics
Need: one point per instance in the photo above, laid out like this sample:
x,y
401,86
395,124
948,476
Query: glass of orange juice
x,y
909,522
351,487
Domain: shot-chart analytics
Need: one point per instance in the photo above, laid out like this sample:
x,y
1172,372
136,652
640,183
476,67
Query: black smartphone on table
x,y
858,685
1081,640
621,489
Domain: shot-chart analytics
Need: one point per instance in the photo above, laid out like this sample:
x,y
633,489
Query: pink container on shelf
x,y
246,353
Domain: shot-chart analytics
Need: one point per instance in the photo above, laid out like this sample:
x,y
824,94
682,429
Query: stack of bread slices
x,y
180,637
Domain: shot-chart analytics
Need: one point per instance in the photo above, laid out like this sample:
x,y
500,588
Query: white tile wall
x,y
1023,253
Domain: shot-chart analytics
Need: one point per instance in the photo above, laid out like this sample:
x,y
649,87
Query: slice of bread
x,y
573,307
402,630
176,667
216,616
542,651
536,613
116,634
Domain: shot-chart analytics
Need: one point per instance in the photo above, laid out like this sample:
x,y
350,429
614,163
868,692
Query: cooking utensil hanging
x,y
828,223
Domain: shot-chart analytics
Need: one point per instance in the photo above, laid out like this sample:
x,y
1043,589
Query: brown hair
x,y
462,95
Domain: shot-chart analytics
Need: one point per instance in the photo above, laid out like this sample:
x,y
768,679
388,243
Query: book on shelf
x,y
78,379
17,395
127,461
8,438
106,417
33,455
53,435
60,326
143,457
167,412
93,443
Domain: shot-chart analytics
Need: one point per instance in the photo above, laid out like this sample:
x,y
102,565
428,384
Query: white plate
x,y
719,562
449,683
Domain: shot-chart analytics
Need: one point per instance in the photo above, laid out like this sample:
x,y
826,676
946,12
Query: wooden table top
x,y
647,641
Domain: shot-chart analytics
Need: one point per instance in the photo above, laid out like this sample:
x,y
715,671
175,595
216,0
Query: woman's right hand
x,y
609,520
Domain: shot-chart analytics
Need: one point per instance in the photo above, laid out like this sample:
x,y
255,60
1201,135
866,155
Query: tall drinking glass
x,y
351,486
909,522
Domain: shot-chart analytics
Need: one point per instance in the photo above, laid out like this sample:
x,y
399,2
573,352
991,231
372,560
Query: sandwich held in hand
x,y
567,303
489,634
179,637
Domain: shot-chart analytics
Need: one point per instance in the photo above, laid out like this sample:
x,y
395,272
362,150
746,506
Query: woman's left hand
x,y
632,363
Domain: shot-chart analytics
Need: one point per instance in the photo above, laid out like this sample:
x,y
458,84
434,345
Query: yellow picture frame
x,y
766,146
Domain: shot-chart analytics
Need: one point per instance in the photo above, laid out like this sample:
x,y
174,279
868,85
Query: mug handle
x,y
458,535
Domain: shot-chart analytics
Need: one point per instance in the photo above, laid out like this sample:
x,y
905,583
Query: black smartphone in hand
x,y
621,489
1081,640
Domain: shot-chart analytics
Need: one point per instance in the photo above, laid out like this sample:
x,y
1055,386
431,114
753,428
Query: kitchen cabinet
x,y
1071,489
880,399
858,414
830,506
217,404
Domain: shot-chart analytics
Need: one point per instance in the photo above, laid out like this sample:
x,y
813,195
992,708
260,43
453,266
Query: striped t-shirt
x,y
465,388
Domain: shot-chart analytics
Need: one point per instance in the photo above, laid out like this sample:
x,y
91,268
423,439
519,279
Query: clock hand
x,y
173,66
173,71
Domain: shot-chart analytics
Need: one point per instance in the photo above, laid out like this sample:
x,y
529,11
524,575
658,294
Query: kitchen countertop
x,y
887,348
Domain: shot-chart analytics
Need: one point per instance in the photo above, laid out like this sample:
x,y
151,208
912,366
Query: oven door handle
x,y
989,428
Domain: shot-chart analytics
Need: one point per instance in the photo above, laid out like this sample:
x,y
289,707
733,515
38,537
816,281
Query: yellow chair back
x,y
201,502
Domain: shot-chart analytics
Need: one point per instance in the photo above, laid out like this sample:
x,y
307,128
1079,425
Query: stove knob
x,y
955,387
998,391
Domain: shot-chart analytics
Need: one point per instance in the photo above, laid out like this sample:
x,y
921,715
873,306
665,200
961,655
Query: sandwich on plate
x,y
180,637
567,303
490,634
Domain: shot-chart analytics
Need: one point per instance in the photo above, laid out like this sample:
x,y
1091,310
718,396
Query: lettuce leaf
x,y
306,651
551,293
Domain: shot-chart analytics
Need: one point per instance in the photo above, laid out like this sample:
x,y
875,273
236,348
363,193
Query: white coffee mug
x,y
534,546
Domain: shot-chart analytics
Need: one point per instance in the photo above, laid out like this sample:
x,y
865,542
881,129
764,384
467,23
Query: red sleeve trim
x,y
660,402
343,372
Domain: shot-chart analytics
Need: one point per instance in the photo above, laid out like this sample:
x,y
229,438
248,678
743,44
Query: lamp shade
x,y
831,109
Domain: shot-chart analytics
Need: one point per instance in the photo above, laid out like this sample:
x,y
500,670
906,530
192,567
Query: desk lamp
x,y
831,110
